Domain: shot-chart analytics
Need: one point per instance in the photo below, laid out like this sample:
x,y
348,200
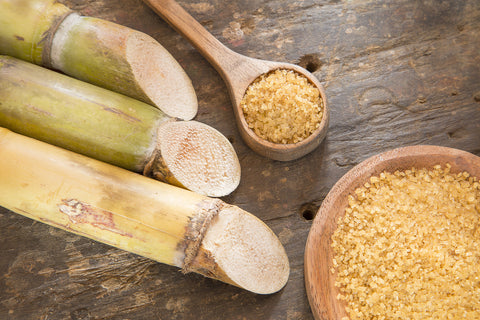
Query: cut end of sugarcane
x,y
134,64
245,252
160,76
199,157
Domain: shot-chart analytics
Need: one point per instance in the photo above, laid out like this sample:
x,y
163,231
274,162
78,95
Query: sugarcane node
x,y
196,229
47,38
151,168
157,168
206,265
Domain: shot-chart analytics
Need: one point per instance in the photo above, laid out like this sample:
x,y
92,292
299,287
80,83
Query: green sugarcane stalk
x,y
97,51
114,128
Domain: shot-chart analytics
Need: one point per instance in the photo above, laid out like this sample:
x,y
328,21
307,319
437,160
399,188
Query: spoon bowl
x,y
238,72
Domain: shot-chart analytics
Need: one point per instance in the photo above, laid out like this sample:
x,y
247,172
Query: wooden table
x,y
396,73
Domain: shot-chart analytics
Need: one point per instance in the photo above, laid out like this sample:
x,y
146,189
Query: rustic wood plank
x,y
396,73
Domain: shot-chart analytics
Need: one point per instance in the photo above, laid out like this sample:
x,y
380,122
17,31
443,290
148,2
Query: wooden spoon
x,y
319,281
239,72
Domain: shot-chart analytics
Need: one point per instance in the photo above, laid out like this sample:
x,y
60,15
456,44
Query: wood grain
x,y
396,73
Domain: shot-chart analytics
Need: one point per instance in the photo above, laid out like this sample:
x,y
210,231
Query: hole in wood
x,y
476,97
310,62
308,211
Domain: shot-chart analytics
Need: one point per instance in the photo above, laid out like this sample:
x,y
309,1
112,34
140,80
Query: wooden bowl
x,y
319,281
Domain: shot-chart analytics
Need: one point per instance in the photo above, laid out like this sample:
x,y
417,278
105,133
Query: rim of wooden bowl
x,y
319,281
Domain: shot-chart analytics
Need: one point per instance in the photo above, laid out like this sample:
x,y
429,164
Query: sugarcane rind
x,y
79,212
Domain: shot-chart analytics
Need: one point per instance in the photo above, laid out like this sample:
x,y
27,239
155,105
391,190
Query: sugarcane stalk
x,y
97,51
114,128
131,212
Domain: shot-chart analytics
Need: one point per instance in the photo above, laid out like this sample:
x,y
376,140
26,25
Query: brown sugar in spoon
x,y
238,72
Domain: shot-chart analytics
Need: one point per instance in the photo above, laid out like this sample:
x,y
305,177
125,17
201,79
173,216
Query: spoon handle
x,y
238,72
221,57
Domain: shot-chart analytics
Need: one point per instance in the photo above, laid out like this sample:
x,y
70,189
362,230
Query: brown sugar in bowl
x,y
319,281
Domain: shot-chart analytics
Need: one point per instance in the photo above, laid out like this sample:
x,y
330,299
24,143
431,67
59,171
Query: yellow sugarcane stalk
x,y
131,212
106,54
114,128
